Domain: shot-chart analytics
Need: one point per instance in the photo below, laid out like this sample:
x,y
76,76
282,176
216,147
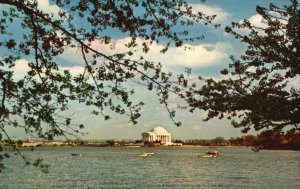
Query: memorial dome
x,y
159,131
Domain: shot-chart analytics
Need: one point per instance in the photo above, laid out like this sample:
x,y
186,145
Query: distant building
x,y
157,134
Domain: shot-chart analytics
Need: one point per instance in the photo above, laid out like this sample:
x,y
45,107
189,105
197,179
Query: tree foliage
x,y
37,101
261,89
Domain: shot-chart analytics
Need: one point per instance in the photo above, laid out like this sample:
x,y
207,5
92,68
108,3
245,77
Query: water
x,y
178,167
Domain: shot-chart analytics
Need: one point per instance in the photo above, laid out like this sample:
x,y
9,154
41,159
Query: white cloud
x,y
198,55
257,20
76,70
45,6
21,68
187,56
222,15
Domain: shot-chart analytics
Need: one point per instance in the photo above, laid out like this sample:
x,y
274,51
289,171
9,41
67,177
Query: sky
x,y
206,58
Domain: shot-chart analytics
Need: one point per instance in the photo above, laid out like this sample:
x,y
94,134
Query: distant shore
x,y
246,141
142,146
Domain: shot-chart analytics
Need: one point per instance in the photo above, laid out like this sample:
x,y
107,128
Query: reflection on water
x,y
178,167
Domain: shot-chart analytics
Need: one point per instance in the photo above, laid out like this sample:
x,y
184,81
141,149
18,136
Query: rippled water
x,y
178,167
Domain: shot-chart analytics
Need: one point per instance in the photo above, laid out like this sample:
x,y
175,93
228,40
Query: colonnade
x,y
153,138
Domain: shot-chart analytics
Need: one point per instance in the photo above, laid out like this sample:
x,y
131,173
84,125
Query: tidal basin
x,y
168,167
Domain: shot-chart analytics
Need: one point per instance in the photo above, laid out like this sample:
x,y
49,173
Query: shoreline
x,y
137,146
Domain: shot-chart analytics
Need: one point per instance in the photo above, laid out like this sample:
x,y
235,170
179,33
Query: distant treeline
x,y
265,140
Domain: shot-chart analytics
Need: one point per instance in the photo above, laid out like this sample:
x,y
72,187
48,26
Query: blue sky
x,y
206,58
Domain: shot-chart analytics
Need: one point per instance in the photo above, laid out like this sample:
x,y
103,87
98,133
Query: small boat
x,y
76,154
207,156
145,154
213,152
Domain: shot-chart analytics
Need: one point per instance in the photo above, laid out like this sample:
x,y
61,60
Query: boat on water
x,y
146,154
76,154
213,152
207,156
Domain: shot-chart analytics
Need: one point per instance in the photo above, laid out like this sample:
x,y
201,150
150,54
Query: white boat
x,y
207,156
145,154
213,151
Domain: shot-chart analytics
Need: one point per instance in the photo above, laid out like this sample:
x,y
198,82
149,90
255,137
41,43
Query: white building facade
x,y
157,134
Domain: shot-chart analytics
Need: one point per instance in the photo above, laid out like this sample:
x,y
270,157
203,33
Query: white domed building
x,y
157,134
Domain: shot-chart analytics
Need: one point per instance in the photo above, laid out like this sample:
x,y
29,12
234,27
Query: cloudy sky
x,y
206,58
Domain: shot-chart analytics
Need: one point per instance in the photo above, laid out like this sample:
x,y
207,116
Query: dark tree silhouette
x,y
261,89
